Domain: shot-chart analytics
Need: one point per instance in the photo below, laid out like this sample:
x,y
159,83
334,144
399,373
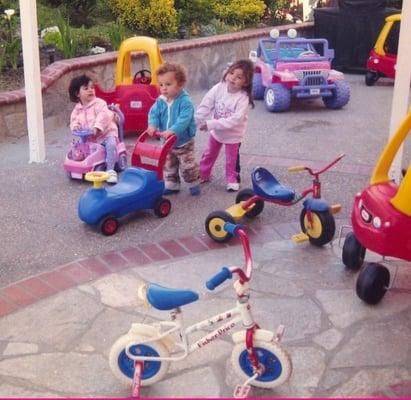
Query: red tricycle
x,y
383,57
316,218
381,221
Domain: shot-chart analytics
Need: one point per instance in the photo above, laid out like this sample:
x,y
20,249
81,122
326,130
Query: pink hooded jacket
x,y
96,114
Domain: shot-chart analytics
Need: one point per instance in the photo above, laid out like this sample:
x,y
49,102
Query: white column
x,y
31,59
402,83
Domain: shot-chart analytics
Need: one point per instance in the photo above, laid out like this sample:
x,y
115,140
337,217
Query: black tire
x,y
108,226
162,207
371,77
214,225
372,283
323,229
353,252
244,195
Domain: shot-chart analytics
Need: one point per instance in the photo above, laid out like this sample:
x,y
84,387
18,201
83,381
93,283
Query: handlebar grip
x,y
219,278
231,228
296,168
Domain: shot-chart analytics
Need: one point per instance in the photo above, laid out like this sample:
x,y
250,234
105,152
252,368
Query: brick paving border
x,y
35,288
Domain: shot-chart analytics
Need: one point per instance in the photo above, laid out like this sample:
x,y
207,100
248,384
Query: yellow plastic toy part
x,y
97,177
389,22
236,211
296,168
401,201
131,45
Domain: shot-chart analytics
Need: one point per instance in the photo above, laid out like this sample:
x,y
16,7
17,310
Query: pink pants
x,y
210,155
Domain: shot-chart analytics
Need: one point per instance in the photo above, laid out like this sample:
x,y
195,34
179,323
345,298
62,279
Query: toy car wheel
x,y
340,96
353,252
108,226
371,77
214,225
372,283
256,208
162,207
322,229
277,98
258,88
122,162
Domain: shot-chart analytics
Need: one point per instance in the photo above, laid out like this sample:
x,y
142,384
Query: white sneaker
x,y
112,176
233,187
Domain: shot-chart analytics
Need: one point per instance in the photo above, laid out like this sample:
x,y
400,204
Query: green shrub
x,y
240,12
154,17
197,11
116,33
68,42
53,38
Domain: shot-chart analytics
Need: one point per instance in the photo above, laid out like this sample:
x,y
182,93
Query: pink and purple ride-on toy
x,y
84,156
290,67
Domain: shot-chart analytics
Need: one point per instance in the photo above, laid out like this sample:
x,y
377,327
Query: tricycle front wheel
x,y
214,225
322,229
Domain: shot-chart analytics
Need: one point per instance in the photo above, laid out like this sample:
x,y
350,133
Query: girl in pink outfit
x,y
93,112
224,113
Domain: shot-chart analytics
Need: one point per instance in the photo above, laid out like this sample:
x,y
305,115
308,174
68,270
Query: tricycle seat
x,y
267,186
164,298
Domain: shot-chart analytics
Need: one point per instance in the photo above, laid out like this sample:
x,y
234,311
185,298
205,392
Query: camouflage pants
x,y
182,161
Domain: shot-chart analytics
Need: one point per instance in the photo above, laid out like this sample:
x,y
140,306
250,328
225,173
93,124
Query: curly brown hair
x,y
179,72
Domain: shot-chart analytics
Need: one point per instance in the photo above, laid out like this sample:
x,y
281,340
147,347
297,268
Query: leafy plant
x,y
116,33
10,40
68,43
239,12
194,11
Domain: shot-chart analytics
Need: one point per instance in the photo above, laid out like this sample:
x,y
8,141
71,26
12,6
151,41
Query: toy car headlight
x,y
360,204
376,221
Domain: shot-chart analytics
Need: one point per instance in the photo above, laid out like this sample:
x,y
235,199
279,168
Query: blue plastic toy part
x,y
231,228
164,298
220,277
267,186
319,205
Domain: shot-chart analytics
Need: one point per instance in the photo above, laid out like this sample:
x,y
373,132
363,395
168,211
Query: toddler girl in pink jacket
x,y
224,113
93,113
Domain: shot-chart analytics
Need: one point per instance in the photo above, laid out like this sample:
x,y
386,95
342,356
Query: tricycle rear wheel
x,y
323,227
258,207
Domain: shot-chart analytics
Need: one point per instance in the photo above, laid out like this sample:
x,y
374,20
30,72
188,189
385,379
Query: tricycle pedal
x,y
335,208
299,237
241,391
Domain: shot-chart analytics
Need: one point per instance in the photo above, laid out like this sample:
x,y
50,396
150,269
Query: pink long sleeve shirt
x,y
226,113
96,114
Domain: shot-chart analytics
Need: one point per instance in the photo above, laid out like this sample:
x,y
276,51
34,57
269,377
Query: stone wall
x,y
204,58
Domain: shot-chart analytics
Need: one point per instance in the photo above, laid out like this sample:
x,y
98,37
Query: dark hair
x,y
179,72
248,69
75,85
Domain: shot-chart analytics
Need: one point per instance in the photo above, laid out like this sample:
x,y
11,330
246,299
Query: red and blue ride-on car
x,y
140,187
299,68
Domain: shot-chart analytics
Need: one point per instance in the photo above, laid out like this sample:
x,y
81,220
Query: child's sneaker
x,y
233,187
195,190
112,176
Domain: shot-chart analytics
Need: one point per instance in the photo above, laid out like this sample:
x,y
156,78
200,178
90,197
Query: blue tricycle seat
x,y
163,298
265,185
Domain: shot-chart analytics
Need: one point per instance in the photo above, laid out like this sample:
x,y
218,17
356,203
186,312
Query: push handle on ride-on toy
x,y
219,278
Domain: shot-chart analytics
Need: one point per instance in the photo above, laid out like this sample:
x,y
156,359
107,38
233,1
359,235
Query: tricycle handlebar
x,y
299,168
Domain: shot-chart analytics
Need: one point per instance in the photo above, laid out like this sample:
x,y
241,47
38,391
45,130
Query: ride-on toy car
x,y
381,221
383,57
134,92
85,156
138,189
287,68
316,218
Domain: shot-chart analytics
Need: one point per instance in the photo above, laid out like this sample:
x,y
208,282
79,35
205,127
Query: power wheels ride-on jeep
x,y
289,67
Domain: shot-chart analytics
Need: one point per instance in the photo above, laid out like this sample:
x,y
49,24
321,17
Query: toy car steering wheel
x,y
141,77
307,53
97,177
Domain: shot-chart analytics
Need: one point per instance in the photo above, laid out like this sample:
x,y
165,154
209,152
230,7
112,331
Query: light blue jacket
x,y
177,116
